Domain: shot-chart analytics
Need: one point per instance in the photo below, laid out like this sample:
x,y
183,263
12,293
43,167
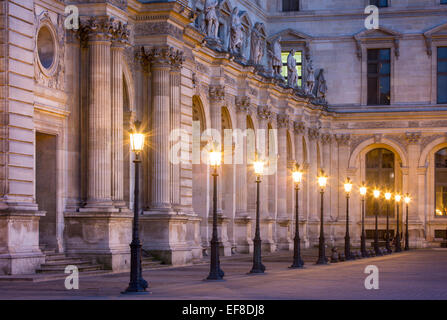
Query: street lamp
x,y
137,284
258,267
215,159
407,200
387,237
322,181
398,248
297,176
376,194
365,253
348,189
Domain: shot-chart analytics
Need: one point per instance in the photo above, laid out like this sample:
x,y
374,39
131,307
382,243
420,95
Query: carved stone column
x,y
262,144
175,78
314,190
243,222
283,220
99,194
299,132
120,35
326,141
415,225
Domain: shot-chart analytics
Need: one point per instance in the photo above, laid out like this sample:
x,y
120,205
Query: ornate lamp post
x,y
137,284
376,194
348,189
398,248
365,253
407,200
258,267
322,181
297,176
215,158
387,237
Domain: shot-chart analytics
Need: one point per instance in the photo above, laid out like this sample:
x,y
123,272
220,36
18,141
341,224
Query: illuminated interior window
x,y
299,65
441,182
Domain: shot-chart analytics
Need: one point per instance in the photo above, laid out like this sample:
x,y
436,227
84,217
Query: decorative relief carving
x,y
98,28
264,112
52,76
282,120
343,139
242,104
229,80
313,133
326,138
413,137
426,140
158,28
378,138
217,93
299,127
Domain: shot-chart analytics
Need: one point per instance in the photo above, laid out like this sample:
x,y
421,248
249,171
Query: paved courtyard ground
x,y
417,274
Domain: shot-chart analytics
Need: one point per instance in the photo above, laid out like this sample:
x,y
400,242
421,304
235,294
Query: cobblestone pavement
x,y
417,274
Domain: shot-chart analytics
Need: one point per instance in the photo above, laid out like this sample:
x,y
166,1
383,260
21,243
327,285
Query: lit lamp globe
x,y
363,190
136,141
376,193
407,199
388,195
348,186
322,180
297,175
215,157
397,197
258,167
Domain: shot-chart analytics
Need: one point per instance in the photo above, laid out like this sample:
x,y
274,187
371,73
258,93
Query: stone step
x,y
66,262
61,269
60,258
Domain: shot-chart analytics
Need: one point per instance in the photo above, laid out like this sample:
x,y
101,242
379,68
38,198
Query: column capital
x,y
120,35
343,139
313,133
217,92
99,28
413,137
299,127
164,56
242,104
282,120
264,112
326,138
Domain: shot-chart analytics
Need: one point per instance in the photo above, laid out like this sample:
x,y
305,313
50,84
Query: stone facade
x,y
160,62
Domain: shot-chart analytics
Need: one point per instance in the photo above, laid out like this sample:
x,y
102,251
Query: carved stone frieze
x,y
217,92
242,104
343,139
158,28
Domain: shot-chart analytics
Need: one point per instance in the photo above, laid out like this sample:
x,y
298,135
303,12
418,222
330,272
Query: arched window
x,y
441,182
379,174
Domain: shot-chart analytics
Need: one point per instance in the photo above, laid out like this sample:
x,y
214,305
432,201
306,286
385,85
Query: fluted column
x,y
313,135
161,60
175,78
242,108
118,45
343,159
413,150
99,193
217,98
333,183
264,115
283,123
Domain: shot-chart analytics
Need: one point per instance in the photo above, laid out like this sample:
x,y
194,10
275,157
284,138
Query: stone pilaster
x,y
243,223
333,183
314,190
343,159
175,79
283,219
99,192
120,35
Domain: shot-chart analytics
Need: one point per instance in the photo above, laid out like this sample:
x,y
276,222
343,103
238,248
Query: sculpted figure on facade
x,y
321,86
277,60
236,33
211,18
310,77
257,44
292,74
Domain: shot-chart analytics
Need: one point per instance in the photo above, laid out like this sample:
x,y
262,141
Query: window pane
x,y
373,54
384,68
442,52
442,89
372,68
383,3
384,54
372,91
442,66
384,83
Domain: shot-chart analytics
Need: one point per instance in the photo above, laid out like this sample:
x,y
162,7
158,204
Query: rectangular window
x,y
379,76
299,65
443,1
379,3
290,5
442,75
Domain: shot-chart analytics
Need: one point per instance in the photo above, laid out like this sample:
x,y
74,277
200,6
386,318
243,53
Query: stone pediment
x,y
438,32
291,35
377,34
225,6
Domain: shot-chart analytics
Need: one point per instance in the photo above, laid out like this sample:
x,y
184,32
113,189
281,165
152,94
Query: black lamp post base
x,y
322,261
299,264
138,288
258,269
